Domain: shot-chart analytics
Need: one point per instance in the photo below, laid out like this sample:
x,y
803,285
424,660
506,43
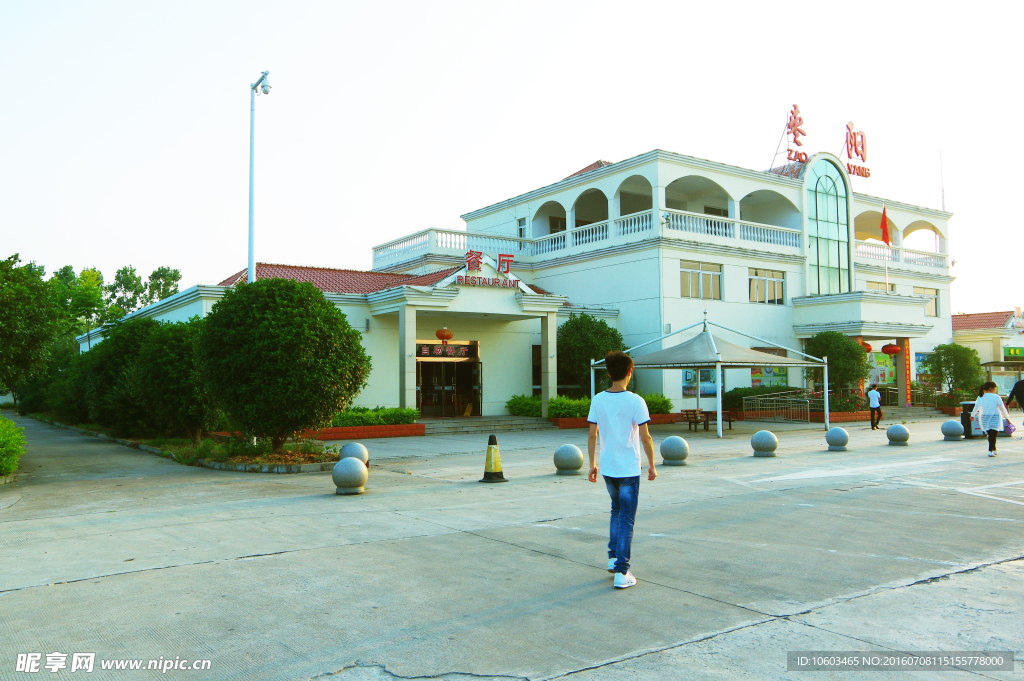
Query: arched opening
x,y
590,207
635,195
697,194
867,226
828,230
769,208
923,236
549,219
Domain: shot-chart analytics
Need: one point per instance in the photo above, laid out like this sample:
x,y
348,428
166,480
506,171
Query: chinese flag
x,y
885,228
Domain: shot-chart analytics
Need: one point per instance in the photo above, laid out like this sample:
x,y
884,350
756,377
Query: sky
x,y
124,126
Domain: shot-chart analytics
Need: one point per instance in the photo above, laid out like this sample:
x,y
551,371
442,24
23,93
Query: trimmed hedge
x,y
12,445
379,416
523,405
568,408
734,398
657,403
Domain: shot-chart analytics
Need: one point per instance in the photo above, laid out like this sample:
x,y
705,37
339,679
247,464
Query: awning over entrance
x,y
705,350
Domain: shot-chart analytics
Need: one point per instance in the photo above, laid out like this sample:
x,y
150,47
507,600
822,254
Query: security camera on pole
x,y
263,84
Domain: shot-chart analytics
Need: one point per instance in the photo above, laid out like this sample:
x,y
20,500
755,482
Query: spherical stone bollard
x,y
764,443
569,460
898,435
356,450
674,451
837,439
350,475
952,430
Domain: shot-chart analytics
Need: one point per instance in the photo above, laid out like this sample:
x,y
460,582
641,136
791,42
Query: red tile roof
x,y
593,166
341,281
981,320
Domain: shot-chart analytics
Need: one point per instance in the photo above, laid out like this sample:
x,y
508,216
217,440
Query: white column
x,y
734,210
570,219
407,356
718,388
548,361
658,196
613,214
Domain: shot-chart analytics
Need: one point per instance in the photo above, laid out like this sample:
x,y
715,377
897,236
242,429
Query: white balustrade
x,y
877,251
550,243
589,234
924,258
700,224
634,224
401,249
767,234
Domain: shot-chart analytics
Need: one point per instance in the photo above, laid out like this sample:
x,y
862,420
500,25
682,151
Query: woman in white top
x,y
990,413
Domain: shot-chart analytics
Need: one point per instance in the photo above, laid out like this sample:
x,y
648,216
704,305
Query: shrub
x,y
67,395
846,403
279,358
12,445
523,405
112,389
568,408
957,367
657,403
379,416
734,398
177,398
954,398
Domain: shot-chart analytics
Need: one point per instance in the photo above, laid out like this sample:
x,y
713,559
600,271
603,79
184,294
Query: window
x,y
700,280
556,225
881,286
828,231
767,286
932,309
521,224
717,212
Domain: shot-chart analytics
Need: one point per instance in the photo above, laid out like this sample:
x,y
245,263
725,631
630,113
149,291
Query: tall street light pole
x,y
263,84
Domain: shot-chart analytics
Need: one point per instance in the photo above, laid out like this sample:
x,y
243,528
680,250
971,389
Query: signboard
x,y
1013,354
856,145
883,368
769,376
493,282
436,351
707,383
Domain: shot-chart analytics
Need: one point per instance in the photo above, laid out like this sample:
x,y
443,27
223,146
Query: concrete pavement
x,y
430,574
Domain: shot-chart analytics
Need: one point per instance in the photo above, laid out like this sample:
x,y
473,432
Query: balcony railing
x,y
876,251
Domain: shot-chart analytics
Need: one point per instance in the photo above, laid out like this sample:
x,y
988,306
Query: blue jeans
x,y
625,492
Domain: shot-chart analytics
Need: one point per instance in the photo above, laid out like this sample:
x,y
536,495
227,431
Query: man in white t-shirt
x,y
875,403
621,418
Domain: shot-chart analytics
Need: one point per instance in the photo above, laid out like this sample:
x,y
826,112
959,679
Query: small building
x,y
999,339
647,244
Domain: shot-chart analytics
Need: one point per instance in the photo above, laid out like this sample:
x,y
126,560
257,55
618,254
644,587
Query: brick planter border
x,y
656,420
840,416
367,432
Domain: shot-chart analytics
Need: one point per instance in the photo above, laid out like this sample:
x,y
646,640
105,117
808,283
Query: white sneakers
x,y
624,581
991,453
611,565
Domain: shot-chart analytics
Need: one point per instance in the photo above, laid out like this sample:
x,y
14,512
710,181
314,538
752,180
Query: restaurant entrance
x,y
448,379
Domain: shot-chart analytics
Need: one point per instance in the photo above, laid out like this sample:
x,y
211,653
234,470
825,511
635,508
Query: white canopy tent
x,y
705,351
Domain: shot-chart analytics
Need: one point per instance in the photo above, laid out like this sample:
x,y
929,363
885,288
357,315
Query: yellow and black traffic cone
x,y
492,467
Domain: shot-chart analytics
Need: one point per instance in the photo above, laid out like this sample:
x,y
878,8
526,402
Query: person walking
x,y
990,413
1016,392
619,418
875,403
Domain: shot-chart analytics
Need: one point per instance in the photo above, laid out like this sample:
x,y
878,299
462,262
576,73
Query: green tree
x,y
113,389
177,398
580,339
957,367
163,283
125,294
30,318
279,358
847,359
86,303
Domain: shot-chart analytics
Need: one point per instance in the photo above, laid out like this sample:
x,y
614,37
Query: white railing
x,y
695,223
924,258
401,249
456,240
589,234
496,244
634,224
876,251
769,234
549,243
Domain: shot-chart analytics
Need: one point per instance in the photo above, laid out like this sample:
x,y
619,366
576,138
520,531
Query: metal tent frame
x,y
749,358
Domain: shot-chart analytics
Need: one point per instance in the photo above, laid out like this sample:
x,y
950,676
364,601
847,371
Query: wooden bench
x,y
693,418
712,417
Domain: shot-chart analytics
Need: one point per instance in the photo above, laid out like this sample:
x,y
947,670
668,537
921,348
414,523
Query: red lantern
x,y
867,346
891,349
444,335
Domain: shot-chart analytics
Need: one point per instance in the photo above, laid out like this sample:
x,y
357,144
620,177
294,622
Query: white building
x,y
647,244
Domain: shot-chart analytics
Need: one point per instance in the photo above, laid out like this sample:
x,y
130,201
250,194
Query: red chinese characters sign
x,y
493,282
435,351
794,128
473,259
856,145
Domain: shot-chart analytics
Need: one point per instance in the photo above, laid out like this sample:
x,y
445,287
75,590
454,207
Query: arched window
x,y
828,231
